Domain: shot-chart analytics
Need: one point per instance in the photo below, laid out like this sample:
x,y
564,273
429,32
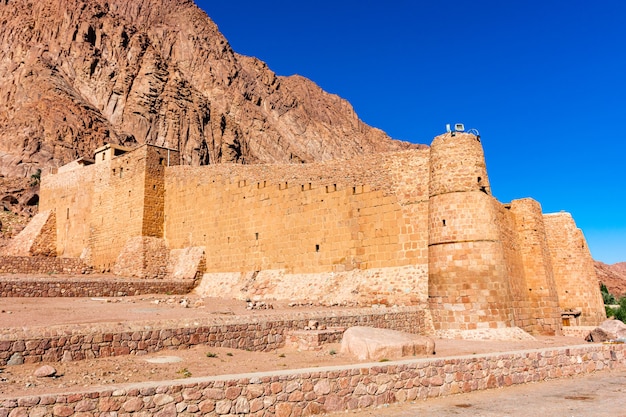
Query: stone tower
x,y
574,273
468,285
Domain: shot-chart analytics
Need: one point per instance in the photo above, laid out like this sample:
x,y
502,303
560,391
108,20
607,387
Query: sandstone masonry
x,y
417,227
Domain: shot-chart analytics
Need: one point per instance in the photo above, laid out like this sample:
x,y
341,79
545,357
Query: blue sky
x,y
543,82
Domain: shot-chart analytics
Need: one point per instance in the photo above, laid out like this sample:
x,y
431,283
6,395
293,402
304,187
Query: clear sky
x,y
544,82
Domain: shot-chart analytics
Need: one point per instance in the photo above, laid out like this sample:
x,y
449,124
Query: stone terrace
x,y
284,393
318,390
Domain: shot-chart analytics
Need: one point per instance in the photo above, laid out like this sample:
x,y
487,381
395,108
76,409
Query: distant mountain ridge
x,y
79,73
613,276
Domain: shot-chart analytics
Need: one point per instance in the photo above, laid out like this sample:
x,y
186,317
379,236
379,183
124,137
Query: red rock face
x,y
613,276
77,74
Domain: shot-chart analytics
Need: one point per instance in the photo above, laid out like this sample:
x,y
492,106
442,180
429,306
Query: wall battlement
x,y
417,227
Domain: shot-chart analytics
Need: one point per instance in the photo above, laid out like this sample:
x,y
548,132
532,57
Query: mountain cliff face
x,y
77,74
613,276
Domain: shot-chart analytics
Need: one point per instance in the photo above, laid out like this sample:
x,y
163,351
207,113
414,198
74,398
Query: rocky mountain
x,y
75,74
19,198
613,276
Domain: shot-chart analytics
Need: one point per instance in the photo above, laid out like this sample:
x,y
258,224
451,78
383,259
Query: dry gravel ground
x,y
31,313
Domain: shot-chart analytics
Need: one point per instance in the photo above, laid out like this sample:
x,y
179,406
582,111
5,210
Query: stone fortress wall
x,y
341,230
417,227
101,205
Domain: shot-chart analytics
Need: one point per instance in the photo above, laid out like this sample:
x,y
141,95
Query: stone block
x,y
186,264
609,330
369,343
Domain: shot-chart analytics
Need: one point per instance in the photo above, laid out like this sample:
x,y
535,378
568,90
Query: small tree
x,y
35,179
620,313
607,297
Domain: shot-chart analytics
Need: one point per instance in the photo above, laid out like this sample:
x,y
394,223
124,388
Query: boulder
x,y
369,343
16,359
607,330
45,371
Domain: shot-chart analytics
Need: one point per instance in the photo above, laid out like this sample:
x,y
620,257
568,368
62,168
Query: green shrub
x,y
35,179
620,313
607,297
610,311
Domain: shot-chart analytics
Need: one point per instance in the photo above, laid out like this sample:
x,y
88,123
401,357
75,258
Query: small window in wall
x,y
482,187
256,236
67,214
317,248
444,222
161,161
103,156
121,172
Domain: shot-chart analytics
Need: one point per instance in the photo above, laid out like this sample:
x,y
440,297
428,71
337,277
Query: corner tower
x,y
468,283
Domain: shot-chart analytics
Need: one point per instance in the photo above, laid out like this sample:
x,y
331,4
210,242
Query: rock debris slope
x,y
77,74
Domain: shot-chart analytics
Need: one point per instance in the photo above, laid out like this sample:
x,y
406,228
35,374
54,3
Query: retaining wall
x,y
87,286
260,333
317,390
41,265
